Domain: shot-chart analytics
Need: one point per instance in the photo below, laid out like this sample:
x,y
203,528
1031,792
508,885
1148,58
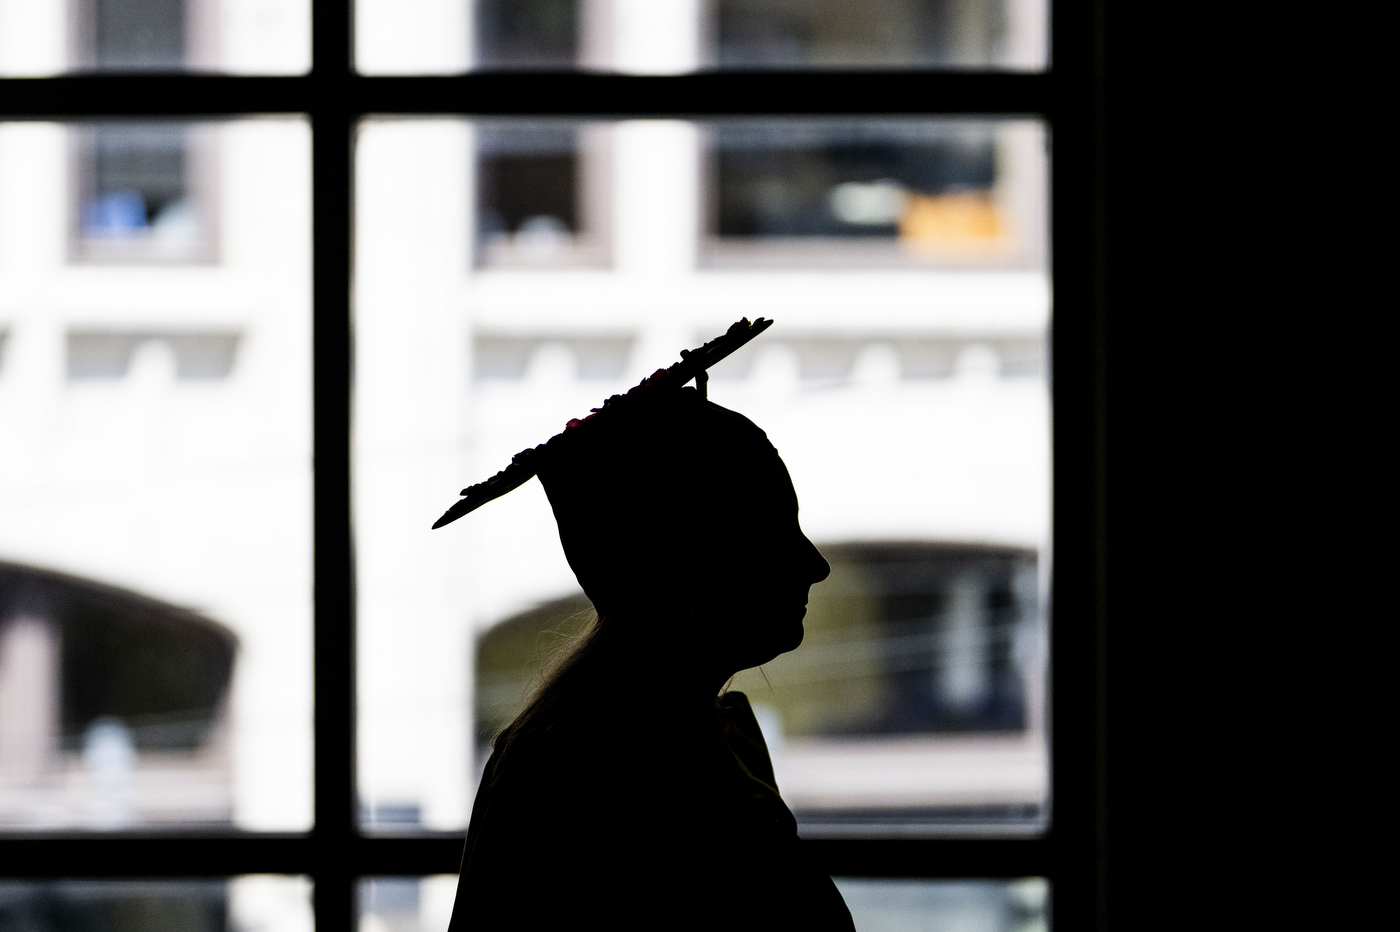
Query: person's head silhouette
x,y
680,521
682,514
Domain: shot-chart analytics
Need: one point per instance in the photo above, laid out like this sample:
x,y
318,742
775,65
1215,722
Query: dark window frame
x,y
335,854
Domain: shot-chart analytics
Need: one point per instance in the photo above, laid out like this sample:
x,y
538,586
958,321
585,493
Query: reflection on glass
x,y
269,903
677,36
155,494
236,36
908,398
936,905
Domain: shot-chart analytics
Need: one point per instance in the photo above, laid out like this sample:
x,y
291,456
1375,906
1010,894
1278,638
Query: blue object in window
x,y
115,215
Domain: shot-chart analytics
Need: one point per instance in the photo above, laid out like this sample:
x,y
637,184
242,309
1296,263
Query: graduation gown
x,y
640,819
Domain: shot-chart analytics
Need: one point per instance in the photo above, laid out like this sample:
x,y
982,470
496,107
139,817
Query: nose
x,y
816,563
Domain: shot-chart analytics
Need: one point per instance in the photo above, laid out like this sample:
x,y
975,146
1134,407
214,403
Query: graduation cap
x,y
694,364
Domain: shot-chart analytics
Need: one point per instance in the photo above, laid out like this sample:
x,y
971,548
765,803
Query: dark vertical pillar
x,y
1079,606
335,834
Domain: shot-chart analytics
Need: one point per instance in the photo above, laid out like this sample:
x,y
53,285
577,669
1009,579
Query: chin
x,y
784,632
779,644
794,637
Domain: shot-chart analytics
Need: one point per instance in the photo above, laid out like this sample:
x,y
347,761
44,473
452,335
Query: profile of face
x,y
689,512
758,569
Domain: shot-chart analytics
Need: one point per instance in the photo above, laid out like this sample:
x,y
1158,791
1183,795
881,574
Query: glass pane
x,y
229,36
906,390
678,36
424,904
264,902
878,33
155,544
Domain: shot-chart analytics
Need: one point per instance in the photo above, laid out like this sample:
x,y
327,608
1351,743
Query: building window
x,y
883,33
144,193
278,904
844,360
542,195
527,33
143,35
872,193
914,640
104,355
510,357
113,707
916,697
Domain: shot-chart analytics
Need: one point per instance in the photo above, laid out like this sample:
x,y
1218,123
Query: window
x,y
261,37
273,903
108,695
910,651
829,33
144,193
542,195
529,34
688,35
925,654
138,35
527,240
110,354
876,193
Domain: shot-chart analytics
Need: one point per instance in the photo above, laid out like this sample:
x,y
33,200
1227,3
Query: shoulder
x,y
560,753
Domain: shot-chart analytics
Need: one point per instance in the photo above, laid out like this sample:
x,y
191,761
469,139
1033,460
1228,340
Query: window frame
x,y
1069,98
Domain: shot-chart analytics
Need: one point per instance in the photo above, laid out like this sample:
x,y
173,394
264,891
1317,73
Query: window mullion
x,y
334,837
561,94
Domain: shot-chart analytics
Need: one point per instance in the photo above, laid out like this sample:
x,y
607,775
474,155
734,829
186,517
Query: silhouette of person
x,y
601,807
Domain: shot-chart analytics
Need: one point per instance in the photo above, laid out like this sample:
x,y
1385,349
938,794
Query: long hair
x,y
575,679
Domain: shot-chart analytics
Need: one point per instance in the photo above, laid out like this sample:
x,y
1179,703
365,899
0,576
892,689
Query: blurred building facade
x,y
904,384
155,379
155,493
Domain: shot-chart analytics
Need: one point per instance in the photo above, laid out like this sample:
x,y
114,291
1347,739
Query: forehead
x,y
763,487
739,459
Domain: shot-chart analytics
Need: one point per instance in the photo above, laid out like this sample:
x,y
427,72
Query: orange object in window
x,y
966,221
